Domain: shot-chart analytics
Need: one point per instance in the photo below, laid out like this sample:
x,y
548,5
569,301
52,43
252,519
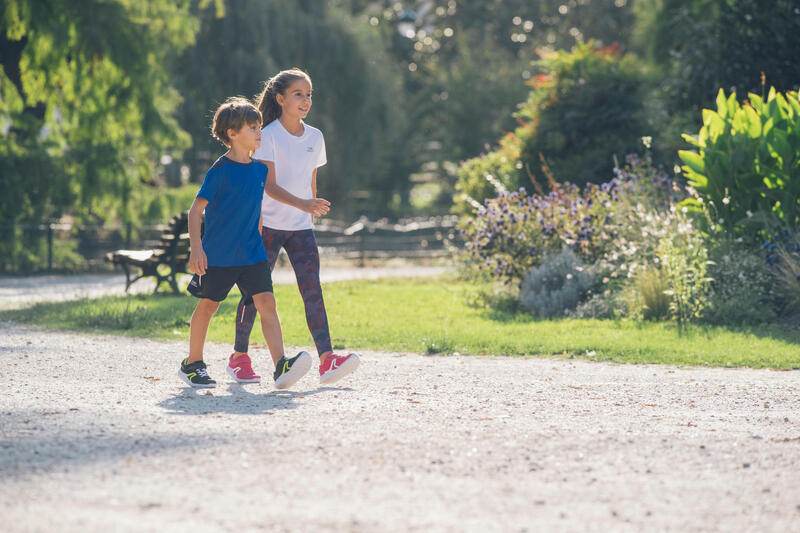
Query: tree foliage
x,y
706,45
86,103
357,101
584,108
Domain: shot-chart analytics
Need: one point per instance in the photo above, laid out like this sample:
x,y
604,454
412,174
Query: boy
x,y
231,250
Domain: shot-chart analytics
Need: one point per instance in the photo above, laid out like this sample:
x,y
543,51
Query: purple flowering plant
x,y
510,234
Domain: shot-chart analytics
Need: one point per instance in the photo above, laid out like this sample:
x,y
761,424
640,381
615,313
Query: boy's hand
x,y
316,206
198,262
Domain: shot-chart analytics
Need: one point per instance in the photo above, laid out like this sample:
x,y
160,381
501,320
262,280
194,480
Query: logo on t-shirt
x,y
309,148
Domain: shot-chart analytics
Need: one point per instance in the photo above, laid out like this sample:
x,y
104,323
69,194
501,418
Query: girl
x,y
292,151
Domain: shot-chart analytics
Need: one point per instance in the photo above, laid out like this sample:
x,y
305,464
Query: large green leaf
x,y
722,104
693,160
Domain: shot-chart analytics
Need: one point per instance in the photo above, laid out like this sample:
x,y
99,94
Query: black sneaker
x,y
289,371
195,375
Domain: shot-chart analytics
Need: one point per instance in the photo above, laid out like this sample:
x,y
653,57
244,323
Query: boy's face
x,y
248,137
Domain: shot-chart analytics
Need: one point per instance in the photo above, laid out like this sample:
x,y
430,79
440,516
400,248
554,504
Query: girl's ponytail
x,y
268,102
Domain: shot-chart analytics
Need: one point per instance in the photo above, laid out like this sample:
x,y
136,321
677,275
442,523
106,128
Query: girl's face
x,y
295,101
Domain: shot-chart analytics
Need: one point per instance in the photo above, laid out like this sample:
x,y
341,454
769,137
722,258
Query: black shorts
x,y
217,282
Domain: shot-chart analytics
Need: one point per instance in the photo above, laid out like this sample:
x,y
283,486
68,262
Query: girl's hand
x,y
198,262
316,206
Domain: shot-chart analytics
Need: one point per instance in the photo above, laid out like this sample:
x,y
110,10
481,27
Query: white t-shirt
x,y
295,159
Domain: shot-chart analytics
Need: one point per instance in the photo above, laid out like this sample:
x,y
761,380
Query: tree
x,y
357,100
706,45
85,105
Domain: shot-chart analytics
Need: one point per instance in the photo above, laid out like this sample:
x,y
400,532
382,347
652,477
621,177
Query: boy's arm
x,y
316,206
198,262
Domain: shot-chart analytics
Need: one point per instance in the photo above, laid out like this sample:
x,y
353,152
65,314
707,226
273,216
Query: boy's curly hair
x,y
233,114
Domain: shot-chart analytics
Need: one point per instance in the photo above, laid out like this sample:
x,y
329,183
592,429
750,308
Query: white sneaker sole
x,y
348,367
298,370
195,385
232,374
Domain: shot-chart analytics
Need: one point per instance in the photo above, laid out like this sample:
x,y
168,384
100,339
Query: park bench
x,y
164,262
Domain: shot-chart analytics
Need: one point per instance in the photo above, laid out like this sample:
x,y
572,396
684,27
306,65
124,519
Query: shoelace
x,y
202,372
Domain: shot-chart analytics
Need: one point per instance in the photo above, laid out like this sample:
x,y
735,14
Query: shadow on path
x,y
240,401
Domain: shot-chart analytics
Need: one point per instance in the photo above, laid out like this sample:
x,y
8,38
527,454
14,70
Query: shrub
x,y
788,276
745,170
556,287
743,290
653,286
510,234
685,261
584,107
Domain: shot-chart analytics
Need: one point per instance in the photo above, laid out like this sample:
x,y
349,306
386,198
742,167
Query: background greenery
x,y
100,99
655,139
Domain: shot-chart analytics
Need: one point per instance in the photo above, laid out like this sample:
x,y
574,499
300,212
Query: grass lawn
x,y
432,316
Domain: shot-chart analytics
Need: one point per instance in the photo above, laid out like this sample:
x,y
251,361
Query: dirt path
x,y
98,434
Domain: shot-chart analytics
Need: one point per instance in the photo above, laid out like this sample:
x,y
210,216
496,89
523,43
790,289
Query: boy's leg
x,y
246,311
211,289
198,328
270,323
303,253
287,370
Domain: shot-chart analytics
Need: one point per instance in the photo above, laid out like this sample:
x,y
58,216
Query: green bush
x,y
746,167
743,290
788,277
555,288
585,107
652,287
684,260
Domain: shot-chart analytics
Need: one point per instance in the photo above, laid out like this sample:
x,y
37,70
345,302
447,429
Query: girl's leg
x,y
303,253
246,311
270,324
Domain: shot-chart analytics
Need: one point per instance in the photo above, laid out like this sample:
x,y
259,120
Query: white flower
x,y
684,210
749,213
721,221
726,200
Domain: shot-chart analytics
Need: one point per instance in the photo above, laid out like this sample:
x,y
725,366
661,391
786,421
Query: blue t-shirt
x,y
234,191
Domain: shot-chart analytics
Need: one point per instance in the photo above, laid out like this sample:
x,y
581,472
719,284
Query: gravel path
x,y
99,434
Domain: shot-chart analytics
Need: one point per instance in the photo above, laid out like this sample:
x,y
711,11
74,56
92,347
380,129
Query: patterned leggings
x,y
301,247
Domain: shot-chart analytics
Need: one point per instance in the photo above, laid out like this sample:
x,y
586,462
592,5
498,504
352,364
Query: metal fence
x,y
360,241
381,239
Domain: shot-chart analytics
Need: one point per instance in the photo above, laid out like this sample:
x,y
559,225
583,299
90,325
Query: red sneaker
x,y
336,367
241,369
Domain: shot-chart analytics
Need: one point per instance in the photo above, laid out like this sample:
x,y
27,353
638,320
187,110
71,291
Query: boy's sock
x,y
195,375
289,371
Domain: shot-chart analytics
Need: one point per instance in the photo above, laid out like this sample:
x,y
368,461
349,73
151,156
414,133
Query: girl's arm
x,y
316,206
314,191
198,262
314,183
